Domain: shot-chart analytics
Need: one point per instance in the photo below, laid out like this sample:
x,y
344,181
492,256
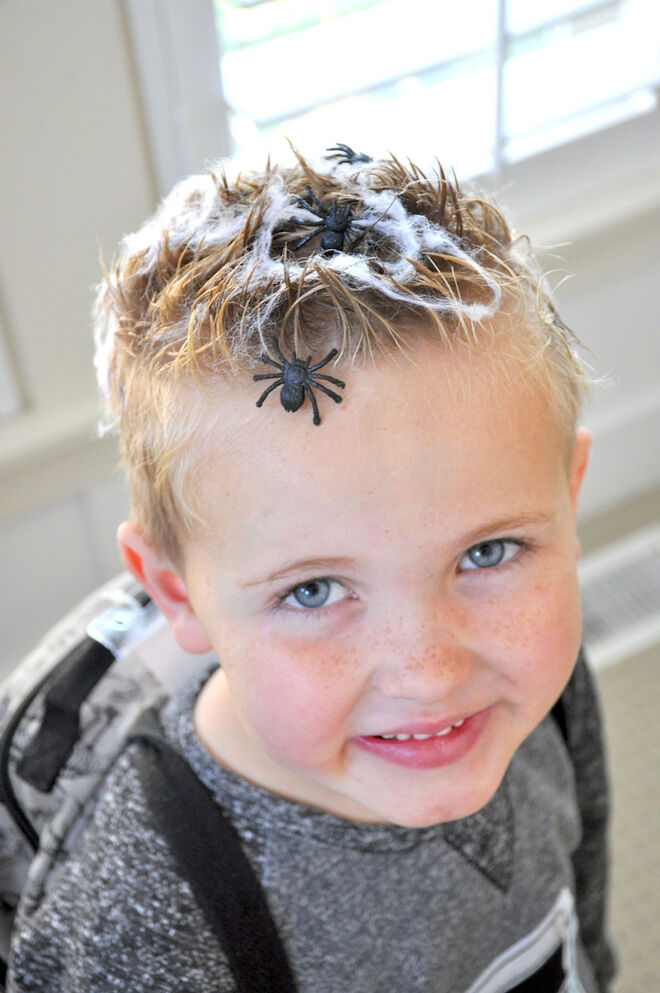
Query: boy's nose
x,y
424,660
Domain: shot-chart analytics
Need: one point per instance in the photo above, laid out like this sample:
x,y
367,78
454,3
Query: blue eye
x,y
315,593
488,554
312,594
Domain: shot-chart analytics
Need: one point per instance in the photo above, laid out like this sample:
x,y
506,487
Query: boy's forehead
x,y
398,389
426,426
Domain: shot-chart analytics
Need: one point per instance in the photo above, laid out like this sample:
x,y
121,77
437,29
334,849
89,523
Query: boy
x,y
348,418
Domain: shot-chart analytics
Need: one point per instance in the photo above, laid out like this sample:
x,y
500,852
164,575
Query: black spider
x,y
345,155
335,225
296,379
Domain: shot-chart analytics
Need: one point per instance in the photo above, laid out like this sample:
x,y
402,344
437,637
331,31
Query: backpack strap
x,y
75,678
64,687
208,851
71,683
559,714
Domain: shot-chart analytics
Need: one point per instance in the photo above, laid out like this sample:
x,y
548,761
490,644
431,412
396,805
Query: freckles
x,y
440,663
516,632
330,666
321,674
519,629
546,627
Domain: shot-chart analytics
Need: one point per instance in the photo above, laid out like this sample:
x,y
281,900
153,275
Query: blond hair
x,y
229,262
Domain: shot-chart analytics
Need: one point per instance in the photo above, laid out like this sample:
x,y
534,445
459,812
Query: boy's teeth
x,y
422,737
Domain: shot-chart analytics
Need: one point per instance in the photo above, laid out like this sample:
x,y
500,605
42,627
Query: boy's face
x,y
405,569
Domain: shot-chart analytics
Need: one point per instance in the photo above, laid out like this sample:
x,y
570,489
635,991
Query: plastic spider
x,y
335,224
345,155
296,379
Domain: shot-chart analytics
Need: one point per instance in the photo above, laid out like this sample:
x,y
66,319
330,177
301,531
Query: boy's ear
x,y
164,585
578,464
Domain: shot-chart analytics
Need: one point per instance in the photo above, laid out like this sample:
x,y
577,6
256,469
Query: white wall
x,y
612,303
75,174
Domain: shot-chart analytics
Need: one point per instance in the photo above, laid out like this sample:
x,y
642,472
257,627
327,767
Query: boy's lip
x,y
427,726
429,752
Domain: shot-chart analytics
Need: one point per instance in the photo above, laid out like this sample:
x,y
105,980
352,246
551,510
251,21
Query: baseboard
x,y
620,587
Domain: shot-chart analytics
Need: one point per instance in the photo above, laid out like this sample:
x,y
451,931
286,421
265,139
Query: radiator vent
x,y
620,587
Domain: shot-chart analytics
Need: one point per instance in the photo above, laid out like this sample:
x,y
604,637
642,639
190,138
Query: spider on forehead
x,y
297,379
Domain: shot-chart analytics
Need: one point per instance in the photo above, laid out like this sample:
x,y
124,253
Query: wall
x,y
612,303
76,174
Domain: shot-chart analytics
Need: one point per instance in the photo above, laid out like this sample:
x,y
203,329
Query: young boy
x,y
348,417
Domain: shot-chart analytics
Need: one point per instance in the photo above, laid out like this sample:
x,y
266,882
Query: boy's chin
x,y
442,811
445,808
424,819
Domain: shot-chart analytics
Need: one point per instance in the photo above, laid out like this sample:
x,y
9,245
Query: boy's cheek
x,y
544,639
549,619
539,618
289,693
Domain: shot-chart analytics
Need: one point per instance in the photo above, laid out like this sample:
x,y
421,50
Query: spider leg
x,y
303,222
324,361
303,241
330,379
310,210
273,386
269,361
312,196
267,375
324,389
278,351
340,151
345,154
315,406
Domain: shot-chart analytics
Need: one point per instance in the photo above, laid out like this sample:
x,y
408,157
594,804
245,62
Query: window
x,y
553,101
492,81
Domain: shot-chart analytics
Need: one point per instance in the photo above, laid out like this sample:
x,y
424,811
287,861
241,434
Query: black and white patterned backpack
x,y
95,682
65,713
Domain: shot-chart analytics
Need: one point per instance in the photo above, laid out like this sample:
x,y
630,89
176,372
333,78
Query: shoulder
x,y
584,735
117,912
564,757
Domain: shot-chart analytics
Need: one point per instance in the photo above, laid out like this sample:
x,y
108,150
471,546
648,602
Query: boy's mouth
x,y
423,747
420,736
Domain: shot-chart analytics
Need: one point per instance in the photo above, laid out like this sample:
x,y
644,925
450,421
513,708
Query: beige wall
x,y
74,175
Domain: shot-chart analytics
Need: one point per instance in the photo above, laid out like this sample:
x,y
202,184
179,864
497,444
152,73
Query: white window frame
x,y
177,66
10,394
566,191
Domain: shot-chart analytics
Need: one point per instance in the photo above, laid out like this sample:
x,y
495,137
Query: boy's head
x,y
198,294
405,566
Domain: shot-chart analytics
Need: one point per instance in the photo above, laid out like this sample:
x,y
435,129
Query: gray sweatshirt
x,y
497,901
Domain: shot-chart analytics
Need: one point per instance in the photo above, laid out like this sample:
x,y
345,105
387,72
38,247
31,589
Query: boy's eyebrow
x,y
321,565
313,565
514,521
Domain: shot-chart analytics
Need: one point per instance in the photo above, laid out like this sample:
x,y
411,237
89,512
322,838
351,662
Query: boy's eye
x,y
315,593
488,554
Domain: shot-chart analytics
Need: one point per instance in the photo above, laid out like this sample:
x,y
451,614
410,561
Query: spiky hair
x,y
232,259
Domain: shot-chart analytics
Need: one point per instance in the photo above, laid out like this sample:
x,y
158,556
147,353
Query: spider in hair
x,y
297,379
339,230
345,155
